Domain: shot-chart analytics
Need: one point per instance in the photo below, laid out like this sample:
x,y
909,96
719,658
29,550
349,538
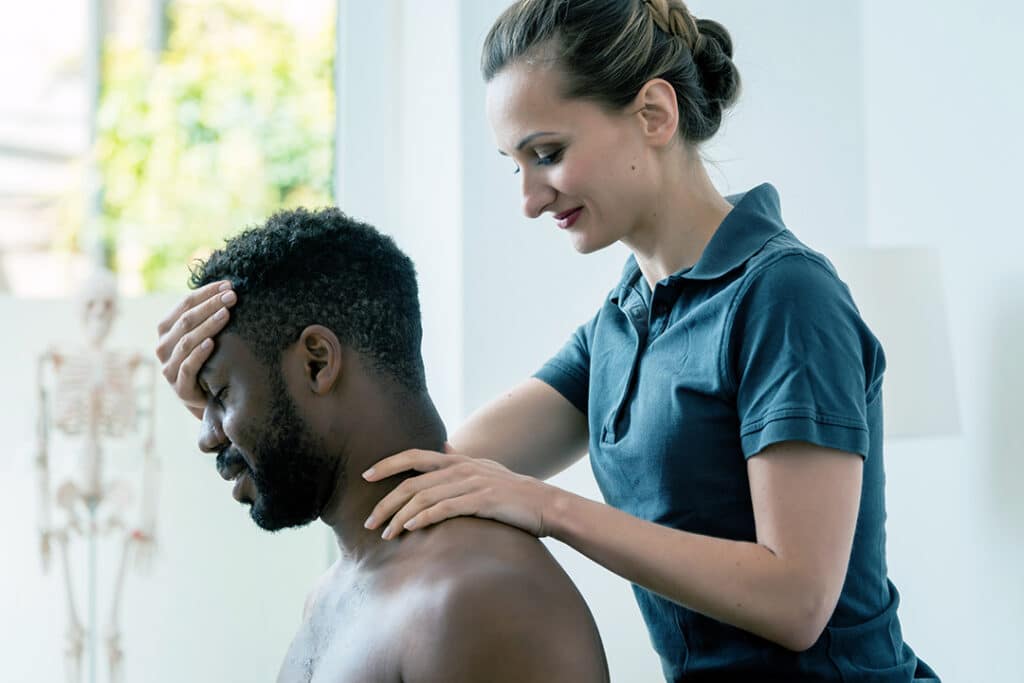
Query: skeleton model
x,y
92,396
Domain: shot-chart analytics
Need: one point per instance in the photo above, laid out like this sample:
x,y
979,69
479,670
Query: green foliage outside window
x,y
232,121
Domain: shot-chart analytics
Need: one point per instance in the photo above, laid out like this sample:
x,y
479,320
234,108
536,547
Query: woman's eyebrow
x,y
528,139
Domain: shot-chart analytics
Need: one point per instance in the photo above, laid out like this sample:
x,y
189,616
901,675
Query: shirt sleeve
x,y
568,372
804,364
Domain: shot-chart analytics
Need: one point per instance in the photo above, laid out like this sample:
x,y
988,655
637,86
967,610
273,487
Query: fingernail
x,y
207,343
221,314
386,534
228,297
411,524
369,522
224,287
368,473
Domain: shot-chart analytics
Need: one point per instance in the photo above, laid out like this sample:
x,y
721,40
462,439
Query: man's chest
x,y
346,637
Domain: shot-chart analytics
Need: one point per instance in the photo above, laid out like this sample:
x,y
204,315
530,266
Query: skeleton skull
x,y
98,305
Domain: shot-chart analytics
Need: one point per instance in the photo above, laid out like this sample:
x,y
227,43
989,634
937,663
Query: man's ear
x,y
658,109
320,351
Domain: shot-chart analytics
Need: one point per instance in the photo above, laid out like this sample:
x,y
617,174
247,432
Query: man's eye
x,y
221,395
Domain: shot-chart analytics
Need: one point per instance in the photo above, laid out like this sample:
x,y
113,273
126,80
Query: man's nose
x,y
537,194
211,435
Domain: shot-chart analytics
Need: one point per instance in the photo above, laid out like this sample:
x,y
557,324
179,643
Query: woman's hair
x,y
608,49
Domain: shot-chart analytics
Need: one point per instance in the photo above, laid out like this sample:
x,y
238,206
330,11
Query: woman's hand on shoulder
x,y
454,485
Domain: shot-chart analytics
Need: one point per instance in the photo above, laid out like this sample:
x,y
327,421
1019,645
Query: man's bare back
x,y
466,600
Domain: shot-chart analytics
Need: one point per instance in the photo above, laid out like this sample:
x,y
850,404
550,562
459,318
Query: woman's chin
x,y
585,244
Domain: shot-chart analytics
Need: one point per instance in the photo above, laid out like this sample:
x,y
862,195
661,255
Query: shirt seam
x,y
723,358
790,413
574,373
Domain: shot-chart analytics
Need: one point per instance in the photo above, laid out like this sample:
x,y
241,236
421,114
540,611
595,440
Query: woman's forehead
x,y
524,99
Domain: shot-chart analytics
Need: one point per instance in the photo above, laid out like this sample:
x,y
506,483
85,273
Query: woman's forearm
x,y
741,583
530,429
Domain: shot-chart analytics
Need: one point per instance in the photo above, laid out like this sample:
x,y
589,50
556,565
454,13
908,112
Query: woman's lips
x,y
566,219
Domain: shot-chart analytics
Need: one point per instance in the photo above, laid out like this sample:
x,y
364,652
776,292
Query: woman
x,y
727,390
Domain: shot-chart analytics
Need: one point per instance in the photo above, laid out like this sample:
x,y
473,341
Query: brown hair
x,y
608,49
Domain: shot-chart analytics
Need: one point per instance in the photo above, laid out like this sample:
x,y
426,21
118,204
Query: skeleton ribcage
x,y
100,386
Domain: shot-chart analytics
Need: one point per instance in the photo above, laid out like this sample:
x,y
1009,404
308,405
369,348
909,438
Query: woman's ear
x,y
320,351
658,109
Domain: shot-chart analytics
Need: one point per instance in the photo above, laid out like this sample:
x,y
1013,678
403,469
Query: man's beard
x,y
294,475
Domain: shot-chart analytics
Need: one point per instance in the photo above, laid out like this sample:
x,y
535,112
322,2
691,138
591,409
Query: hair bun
x,y
719,76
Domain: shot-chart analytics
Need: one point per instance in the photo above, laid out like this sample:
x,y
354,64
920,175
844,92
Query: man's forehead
x,y
228,350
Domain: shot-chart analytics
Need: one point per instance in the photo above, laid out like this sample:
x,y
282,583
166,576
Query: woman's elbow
x,y
800,640
806,623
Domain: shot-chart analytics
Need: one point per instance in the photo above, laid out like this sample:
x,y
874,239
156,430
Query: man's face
x,y
279,465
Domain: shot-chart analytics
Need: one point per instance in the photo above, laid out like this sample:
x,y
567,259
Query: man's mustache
x,y
230,463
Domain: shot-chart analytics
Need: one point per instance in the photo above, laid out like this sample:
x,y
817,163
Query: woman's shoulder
x,y
787,265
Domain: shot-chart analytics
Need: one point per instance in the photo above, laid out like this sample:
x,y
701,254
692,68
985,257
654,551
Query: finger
x,y
201,294
402,494
191,319
462,506
202,312
192,340
423,500
448,448
413,459
186,384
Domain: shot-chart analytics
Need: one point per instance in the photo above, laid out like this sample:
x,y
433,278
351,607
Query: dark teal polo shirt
x,y
759,342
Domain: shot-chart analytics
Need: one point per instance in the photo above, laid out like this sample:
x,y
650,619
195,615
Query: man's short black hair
x,y
322,267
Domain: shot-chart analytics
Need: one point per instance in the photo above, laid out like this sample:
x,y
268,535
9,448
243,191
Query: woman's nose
x,y
537,195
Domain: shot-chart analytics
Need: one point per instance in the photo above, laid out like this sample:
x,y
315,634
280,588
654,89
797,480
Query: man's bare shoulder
x,y
492,604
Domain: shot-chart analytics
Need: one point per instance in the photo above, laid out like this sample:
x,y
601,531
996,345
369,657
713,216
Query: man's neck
x,y
416,427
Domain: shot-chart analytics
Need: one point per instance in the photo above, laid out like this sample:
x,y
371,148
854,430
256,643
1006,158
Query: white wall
x,y
224,597
400,159
944,108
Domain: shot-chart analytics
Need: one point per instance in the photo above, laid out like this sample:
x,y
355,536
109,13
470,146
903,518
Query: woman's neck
x,y
680,222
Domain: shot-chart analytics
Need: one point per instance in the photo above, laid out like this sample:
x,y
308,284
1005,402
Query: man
x,y
317,376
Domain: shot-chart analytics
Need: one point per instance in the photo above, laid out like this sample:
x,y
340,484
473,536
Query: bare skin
x,y
470,600
186,339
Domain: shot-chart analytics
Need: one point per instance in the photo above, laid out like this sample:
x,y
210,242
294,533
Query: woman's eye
x,y
548,159
544,159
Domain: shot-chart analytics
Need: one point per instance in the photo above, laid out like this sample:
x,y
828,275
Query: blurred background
x,y
140,133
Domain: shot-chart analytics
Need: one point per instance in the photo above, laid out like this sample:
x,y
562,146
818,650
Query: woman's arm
x,y
531,429
783,587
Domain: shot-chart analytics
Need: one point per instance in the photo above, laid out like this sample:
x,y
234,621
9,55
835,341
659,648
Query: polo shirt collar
x,y
756,217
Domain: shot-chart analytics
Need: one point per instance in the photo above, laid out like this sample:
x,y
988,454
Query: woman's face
x,y
590,169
